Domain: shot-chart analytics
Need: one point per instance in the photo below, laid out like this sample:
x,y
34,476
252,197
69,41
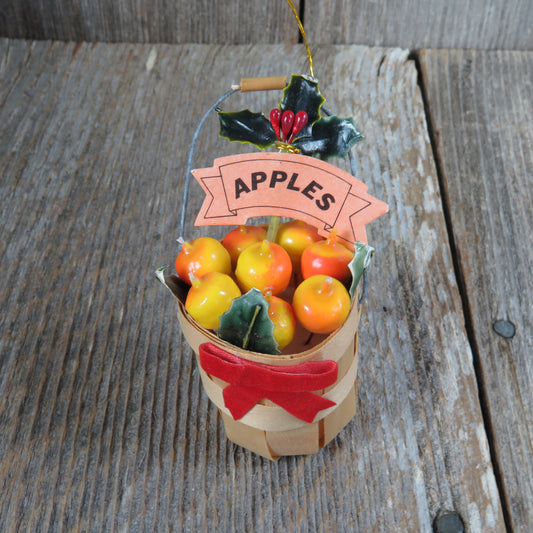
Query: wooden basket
x,y
268,429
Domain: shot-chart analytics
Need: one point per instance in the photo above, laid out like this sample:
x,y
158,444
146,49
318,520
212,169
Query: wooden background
x,y
103,422
499,24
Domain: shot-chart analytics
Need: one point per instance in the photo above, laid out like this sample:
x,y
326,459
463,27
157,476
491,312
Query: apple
x,y
240,238
210,297
327,257
201,256
282,315
294,236
321,303
264,265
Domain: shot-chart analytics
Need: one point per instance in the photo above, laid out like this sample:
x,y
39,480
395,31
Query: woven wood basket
x,y
268,429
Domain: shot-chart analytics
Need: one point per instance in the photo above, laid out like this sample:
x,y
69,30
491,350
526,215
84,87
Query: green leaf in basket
x,y
246,324
330,137
361,259
246,126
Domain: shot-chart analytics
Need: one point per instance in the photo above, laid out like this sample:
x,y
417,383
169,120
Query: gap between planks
x,y
414,55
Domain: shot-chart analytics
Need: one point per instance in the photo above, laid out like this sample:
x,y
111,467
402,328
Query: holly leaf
x,y
303,94
246,126
246,324
330,137
360,262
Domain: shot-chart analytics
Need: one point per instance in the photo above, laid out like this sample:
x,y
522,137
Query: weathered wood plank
x,y
104,423
482,110
415,24
420,24
165,21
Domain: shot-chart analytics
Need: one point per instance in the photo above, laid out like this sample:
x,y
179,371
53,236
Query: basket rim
x,y
281,359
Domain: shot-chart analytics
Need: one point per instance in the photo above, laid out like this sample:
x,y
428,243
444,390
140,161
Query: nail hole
x,y
504,328
448,522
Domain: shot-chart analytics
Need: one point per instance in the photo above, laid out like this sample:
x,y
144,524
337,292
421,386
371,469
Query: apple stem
x,y
251,325
273,226
332,237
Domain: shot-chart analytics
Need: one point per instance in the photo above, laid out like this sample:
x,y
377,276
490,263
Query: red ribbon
x,y
287,386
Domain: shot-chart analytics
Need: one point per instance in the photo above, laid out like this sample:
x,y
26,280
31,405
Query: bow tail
x,y
240,399
303,405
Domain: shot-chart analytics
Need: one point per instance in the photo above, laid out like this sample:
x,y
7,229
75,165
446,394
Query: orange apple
x,y
209,297
327,257
201,256
240,238
264,265
321,303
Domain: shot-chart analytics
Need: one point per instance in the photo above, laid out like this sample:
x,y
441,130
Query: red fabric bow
x,y
287,386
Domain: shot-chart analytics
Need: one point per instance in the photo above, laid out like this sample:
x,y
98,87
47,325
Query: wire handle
x,y
225,96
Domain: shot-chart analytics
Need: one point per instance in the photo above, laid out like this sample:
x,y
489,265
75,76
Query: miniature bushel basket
x,y
267,428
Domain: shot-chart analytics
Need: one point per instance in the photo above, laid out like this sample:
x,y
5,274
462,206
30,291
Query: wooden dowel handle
x,y
263,84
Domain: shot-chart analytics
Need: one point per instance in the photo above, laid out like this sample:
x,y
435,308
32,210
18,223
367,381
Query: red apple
x,y
327,257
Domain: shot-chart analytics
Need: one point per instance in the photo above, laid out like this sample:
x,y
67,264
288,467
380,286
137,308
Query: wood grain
x,y
420,24
482,110
504,24
104,425
163,21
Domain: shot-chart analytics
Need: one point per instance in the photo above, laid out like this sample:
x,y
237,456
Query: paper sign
x,y
242,186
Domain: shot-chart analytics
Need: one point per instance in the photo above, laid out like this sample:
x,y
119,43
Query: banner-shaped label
x,y
304,188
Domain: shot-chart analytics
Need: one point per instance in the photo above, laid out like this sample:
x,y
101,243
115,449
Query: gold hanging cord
x,y
302,31
276,82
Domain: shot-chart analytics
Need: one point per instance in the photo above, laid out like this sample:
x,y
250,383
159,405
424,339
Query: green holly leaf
x,y
330,137
246,324
361,259
303,94
246,126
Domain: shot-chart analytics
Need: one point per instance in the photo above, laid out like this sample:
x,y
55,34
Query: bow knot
x,y
290,387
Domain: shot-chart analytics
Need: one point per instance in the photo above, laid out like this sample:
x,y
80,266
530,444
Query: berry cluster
x,y
287,124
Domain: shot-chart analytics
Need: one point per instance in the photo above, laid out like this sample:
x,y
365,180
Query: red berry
x,y
287,120
275,120
300,120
